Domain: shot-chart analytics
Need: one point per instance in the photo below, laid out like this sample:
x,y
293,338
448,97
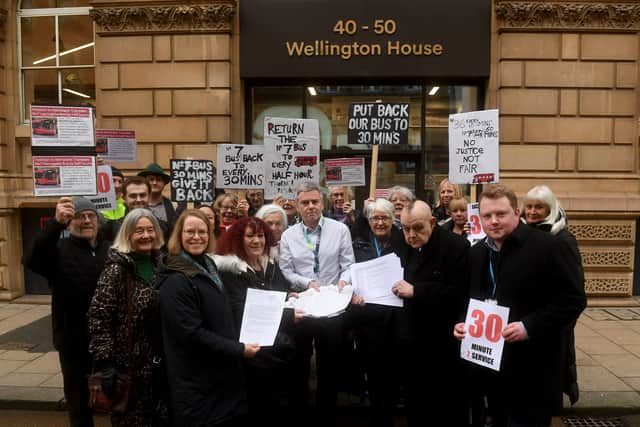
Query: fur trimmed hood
x,y
233,264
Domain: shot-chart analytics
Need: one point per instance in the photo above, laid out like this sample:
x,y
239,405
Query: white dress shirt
x,y
335,254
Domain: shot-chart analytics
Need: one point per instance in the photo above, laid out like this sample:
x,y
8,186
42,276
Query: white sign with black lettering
x,y
105,200
240,166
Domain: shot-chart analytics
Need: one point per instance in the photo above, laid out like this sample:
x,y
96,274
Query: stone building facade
x,y
563,74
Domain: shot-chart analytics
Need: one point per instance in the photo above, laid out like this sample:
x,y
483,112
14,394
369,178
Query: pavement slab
x,y
19,379
621,365
598,345
48,363
598,378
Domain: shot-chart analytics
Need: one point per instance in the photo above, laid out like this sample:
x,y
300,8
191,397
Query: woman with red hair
x,y
243,262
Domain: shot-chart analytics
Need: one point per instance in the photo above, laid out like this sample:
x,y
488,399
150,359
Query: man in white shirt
x,y
313,253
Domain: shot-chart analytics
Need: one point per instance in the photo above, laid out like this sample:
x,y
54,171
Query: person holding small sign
x,y
535,275
435,282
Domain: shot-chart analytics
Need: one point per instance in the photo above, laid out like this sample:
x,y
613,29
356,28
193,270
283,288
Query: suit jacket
x,y
538,279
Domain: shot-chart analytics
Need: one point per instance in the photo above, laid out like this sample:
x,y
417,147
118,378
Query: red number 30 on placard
x,y
491,327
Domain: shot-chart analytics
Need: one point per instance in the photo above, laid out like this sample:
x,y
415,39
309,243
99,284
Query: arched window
x,y
57,62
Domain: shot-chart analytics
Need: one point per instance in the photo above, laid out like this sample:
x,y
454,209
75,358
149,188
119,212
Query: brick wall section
x,y
173,90
568,102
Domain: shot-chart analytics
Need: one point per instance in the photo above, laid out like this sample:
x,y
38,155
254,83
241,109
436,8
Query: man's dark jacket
x,y
72,267
538,279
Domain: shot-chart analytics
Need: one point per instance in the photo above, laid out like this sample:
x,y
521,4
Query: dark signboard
x,y
365,38
378,123
192,180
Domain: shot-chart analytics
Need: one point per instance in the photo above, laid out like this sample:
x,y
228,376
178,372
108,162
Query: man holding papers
x,y
316,252
435,283
535,276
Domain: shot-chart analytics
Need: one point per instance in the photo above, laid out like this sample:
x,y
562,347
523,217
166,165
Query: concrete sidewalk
x,y
607,346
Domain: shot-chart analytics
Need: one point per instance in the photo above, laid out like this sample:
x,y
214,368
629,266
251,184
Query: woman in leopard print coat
x,y
133,259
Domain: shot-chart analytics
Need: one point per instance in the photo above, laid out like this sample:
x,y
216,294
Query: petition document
x,y
372,280
261,317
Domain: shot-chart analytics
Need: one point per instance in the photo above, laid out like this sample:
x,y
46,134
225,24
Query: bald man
x,y
435,263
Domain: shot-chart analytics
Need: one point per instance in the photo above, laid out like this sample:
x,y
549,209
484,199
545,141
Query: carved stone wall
x,y
607,249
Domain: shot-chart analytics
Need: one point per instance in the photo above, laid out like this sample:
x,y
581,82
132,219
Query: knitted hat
x,y
81,204
155,169
116,172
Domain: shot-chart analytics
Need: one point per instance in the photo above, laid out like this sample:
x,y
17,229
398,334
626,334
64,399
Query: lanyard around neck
x,y
315,249
492,274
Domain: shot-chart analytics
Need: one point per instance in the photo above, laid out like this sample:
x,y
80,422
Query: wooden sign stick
x,y
374,172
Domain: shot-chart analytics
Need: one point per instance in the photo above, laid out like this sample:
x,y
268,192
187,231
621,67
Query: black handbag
x,y
116,402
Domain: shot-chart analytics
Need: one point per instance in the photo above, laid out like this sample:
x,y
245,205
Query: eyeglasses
x,y
191,233
383,219
86,216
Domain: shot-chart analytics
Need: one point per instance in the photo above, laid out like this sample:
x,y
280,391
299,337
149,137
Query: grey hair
x,y
348,189
269,209
546,196
380,205
122,242
305,186
402,190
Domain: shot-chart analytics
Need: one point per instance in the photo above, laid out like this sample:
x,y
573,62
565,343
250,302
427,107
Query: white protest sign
x,y
473,217
240,166
57,126
115,145
474,147
291,153
483,342
192,180
348,171
64,175
105,200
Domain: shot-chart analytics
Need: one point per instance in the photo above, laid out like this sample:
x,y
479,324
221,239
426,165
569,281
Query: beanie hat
x,y
155,169
116,172
81,204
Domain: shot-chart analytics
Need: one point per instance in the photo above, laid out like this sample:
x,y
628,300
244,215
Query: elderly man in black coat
x,y
435,263
536,276
72,266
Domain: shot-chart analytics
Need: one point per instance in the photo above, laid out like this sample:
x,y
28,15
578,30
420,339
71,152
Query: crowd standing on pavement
x,y
158,291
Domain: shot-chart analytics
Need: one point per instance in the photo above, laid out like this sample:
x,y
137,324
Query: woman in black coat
x,y
244,263
373,324
541,210
199,333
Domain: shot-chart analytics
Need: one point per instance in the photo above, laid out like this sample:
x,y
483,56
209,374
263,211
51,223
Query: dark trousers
x,y
76,366
325,334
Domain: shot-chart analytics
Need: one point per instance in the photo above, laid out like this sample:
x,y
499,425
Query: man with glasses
x,y
72,265
313,253
433,289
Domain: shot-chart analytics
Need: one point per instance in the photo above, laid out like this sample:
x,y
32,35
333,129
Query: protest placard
x,y
114,145
53,126
105,200
240,166
348,171
291,153
192,180
378,123
474,147
483,342
475,226
64,175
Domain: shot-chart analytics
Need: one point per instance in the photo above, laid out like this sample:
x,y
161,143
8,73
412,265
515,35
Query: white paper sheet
x,y
373,280
261,316
328,301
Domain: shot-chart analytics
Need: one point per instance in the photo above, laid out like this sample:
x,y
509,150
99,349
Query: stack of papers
x,y
328,301
373,280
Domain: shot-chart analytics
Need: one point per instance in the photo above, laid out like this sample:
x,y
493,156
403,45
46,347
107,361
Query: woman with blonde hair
x,y
119,315
446,192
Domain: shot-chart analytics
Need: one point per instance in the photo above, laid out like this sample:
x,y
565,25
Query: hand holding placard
x,y
483,342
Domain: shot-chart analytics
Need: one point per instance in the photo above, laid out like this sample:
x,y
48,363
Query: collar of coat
x,y
233,264
182,265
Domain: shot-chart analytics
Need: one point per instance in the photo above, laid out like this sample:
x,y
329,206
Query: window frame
x,y
55,13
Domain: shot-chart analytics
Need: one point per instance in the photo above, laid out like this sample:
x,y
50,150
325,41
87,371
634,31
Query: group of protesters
x,y
157,292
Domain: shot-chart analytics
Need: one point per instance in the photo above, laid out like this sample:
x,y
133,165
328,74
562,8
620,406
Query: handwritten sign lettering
x,y
474,147
240,166
192,180
292,154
